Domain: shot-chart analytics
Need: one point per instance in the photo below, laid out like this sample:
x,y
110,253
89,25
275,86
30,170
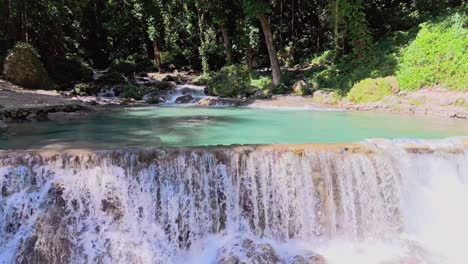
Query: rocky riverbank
x,y
18,104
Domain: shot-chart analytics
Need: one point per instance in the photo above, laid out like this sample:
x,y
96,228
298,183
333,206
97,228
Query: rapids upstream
x,y
377,202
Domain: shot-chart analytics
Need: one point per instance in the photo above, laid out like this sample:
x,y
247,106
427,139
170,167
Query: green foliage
x,y
133,91
230,81
202,79
132,64
373,90
438,55
176,59
263,83
324,58
253,8
68,70
345,71
111,78
23,67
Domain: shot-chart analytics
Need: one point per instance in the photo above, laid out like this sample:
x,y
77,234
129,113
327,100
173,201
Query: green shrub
x,y
68,70
132,64
111,78
230,81
323,58
373,90
175,58
202,79
263,83
23,67
438,55
133,91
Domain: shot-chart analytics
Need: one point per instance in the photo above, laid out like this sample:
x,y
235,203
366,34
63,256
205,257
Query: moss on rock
x,y
23,67
373,90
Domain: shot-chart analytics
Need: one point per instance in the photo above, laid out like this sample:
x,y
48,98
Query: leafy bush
x,y
202,79
263,83
438,55
111,78
230,81
323,58
373,90
133,91
175,58
23,67
68,70
132,64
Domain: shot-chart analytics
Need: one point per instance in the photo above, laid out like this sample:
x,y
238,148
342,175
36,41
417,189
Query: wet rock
x,y
212,101
112,206
247,251
49,242
255,253
314,259
38,112
258,95
3,125
184,99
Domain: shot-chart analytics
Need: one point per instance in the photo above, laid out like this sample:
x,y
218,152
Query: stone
x,y
258,95
248,251
50,241
326,97
314,259
184,99
301,87
23,67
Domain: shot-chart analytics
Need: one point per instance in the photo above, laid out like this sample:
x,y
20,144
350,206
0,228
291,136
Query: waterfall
x,y
377,202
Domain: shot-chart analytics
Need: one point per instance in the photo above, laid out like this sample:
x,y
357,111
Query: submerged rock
x,y
184,99
247,251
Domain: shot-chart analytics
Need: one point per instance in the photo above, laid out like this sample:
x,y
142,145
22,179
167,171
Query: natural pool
x,y
194,126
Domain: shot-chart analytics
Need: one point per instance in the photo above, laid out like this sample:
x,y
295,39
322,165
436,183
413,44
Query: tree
x,y
259,9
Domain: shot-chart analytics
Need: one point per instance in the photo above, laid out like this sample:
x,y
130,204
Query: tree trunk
x,y
157,54
9,32
203,56
275,69
24,21
227,44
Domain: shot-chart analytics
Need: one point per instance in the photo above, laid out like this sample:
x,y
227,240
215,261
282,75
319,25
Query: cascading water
x,y
373,203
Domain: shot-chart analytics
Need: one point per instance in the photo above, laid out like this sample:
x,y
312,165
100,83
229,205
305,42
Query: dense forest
x,y
332,44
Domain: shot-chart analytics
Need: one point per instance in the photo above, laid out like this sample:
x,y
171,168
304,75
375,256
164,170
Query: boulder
x,y
184,99
326,97
262,253
301,87
23,67
258,95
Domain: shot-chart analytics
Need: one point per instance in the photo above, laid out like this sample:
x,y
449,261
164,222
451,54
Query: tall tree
x,y
259,9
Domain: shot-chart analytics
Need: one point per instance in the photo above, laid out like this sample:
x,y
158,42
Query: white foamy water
x,y
383,204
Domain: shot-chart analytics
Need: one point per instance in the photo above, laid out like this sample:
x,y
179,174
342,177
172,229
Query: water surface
x,y
194,126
